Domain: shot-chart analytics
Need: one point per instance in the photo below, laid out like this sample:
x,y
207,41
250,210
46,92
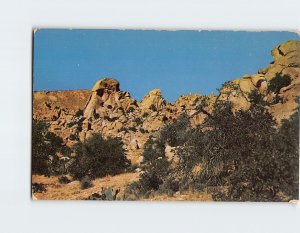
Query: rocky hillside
x,y
106,109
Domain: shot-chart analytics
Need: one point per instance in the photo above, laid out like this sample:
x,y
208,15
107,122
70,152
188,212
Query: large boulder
x,y
285,55
106,83
246,85
288,53
153,100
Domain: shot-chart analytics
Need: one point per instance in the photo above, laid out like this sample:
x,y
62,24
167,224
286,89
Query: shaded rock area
x,y
106,109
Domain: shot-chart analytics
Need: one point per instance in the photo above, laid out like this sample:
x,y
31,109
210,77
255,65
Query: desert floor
x,y
72,191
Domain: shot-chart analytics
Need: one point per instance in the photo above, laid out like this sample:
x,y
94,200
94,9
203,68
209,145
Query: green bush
x,y
124,129
156,167
138,120
142,130
145,114
86,182
110,119
278,82
153,149
63,180
38,188
98,157
95,115
176,134
79,113
244,156
45,145
132,129
70,124
247,154
73,137
153,108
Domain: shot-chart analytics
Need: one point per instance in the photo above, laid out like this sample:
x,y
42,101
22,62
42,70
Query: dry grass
x,y
189,196
72,191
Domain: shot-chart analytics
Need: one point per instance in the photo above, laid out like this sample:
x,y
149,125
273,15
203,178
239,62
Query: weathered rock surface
x,y
153,101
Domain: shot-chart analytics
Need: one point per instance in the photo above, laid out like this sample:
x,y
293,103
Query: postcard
x,y
157,115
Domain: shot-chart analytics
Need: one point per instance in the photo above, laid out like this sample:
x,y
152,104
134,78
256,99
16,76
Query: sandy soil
x,y
72,191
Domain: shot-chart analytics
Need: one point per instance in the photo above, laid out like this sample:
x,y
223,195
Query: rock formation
x,y
76,115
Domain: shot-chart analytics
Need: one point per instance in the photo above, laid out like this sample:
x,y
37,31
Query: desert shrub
x,y
132,129
124,129
86,182
158,176
153,108
78,123
145,114
79,113
70,124
176,134
142,130
153,150
79,128
288,144
45,145
38,188
63,180
138,121
230,85
95,114
156,167
278,82
130,109
169,187
73,137
110,119
150,181
244,156
98,157
247,154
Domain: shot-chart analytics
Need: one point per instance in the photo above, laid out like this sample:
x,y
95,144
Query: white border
x,y
19,214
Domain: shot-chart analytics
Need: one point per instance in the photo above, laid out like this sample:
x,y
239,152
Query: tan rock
x,y
106,83
256,79
153,100
287,54
246,85
239,103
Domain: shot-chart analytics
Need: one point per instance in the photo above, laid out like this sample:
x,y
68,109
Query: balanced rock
x,y
106,83
101,92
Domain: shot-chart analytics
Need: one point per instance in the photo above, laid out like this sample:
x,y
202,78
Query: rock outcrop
x,y
106,109
153,101
286,63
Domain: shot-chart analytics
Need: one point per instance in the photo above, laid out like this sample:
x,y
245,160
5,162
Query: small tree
x,y
45,145
176,134
156,167
247,154
98,157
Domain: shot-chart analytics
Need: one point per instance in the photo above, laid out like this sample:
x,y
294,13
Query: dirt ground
x,y
72,191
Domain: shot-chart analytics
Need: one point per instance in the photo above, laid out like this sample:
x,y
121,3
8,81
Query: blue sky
x,y
177,62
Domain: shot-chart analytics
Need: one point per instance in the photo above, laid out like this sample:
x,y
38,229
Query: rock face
x,y
286,62
106,109
153,101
